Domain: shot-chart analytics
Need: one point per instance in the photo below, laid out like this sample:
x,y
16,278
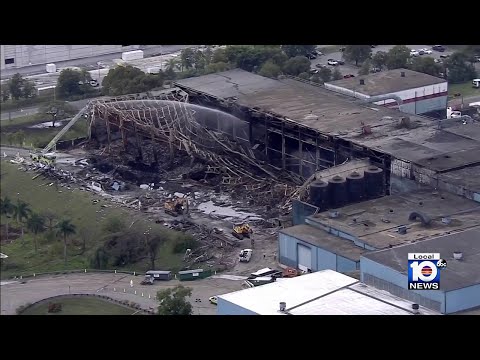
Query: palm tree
x,y
21,211
6,208
36,224
66,228
172,65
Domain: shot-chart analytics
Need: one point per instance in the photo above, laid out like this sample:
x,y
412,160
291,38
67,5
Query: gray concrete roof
x,y
372,230
342,116
467,178
387,82
458,274
324,240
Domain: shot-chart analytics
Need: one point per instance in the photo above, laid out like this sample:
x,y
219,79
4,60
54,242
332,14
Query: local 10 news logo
x,y
424,271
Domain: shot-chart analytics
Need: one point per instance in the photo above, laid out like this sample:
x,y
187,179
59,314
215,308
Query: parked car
x,y
425,51
414,53
311,56
375,70
438,61
348,76
320,66
438,48
213,300
340,62
318,52
444,56
313,71
94,83
477,58
342,49
332,62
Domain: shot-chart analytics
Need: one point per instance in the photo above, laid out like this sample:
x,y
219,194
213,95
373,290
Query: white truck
x,y
245,255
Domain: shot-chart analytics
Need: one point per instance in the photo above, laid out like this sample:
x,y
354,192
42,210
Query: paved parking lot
x,y
351,69
15,294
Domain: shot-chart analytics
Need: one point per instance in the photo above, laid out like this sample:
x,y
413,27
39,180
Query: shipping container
x,y
188,275
160,275
132,55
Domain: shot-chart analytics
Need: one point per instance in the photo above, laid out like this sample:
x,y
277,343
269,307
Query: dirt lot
x,y
15,294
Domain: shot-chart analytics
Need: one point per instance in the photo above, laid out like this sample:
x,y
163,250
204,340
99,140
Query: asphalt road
x,y
117,286
40,69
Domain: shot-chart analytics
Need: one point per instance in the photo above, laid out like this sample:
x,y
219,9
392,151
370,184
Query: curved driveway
x,y
15,294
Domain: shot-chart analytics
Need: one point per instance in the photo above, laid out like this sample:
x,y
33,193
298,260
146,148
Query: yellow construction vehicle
x,y
44,158
176,206
242,230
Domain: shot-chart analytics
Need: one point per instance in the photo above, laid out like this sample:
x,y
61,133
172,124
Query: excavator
x,y
242,230
176,206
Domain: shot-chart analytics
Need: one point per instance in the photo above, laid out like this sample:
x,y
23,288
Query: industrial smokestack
x,y
402,74
362,82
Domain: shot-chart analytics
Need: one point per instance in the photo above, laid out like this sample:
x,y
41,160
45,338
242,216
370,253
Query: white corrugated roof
x,y
325,292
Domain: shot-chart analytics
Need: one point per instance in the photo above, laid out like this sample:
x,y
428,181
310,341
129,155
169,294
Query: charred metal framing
x,y
290,145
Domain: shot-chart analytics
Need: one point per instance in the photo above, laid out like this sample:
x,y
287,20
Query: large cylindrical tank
x,y
356,187
374,184
338,191
319,195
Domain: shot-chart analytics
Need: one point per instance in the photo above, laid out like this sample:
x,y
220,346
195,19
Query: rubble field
x,y
213,207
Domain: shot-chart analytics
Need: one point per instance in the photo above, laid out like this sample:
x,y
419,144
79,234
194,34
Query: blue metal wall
x,y
425,106
326,260
385,278
462,299
345,265
321,259
227,308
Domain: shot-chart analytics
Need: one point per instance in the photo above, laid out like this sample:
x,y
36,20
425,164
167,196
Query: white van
x,y
476,83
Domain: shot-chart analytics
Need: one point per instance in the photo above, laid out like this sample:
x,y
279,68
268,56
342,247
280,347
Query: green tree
x,y
153,244
459,69
216,67
397,57
72,82
304,76
12,138
269,69
357,53
66,228
187,57
379,60
15,85
337,75
20,137
298,50
21,212
173,65
114,224
29,90
199,60
316,78
297,65
365,69
173,301
128,79
220,55
325,74
5,92
7,208
425,65
36,224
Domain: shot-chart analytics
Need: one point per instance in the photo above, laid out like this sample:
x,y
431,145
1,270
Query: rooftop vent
x,y
446,220
402,74
283,306
457,255
362,82
402,230
334,214
415,309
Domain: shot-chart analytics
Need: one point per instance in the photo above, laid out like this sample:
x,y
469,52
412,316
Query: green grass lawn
x,y
80,306
465,89
39,138
76,205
